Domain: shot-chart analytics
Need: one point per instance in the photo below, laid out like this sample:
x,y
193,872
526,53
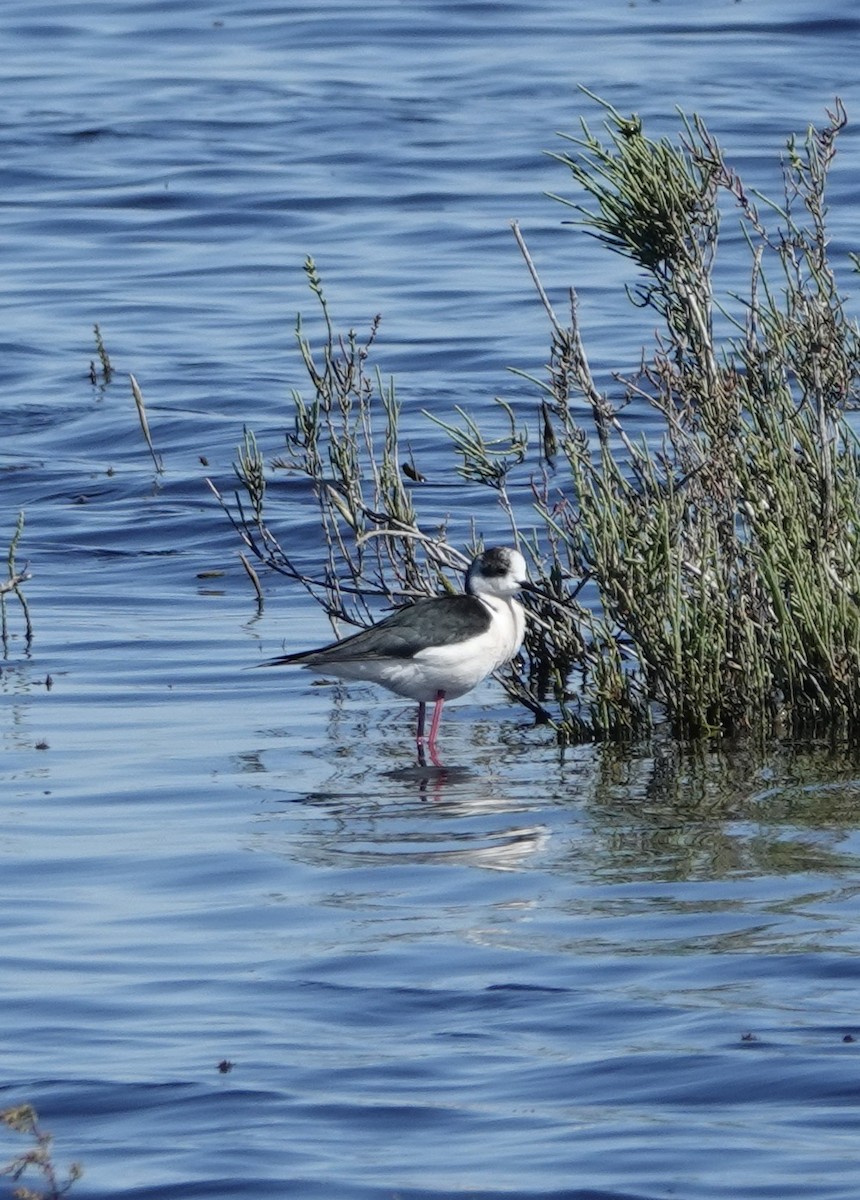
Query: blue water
x,y
604,974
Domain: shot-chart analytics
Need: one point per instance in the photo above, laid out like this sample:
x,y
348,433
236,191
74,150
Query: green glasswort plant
x,y
726,556
707,579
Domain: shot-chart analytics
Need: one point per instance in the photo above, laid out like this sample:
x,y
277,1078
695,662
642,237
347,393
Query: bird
x,y
438,648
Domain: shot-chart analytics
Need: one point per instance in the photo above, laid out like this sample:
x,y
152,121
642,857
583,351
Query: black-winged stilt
x,y
438,648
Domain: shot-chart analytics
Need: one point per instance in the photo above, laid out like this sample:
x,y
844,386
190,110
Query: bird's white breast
x,y
458,667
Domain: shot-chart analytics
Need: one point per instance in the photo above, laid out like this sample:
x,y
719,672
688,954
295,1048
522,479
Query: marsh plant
x,y
36,1160
11,586
344,440
707,579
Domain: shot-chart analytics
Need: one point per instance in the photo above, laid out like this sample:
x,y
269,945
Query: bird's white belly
x,y
453,670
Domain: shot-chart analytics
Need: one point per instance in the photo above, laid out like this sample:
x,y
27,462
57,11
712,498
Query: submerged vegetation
x,y
708,579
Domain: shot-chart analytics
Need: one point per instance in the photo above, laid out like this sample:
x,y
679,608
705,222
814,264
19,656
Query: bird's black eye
x,y
495,562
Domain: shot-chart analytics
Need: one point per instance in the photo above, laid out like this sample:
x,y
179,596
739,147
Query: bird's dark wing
x,y
436,621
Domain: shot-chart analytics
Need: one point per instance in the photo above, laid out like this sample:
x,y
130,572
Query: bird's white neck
x,y
509,624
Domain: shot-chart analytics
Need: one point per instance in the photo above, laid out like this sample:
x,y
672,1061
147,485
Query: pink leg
x,y
434,728
422,713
